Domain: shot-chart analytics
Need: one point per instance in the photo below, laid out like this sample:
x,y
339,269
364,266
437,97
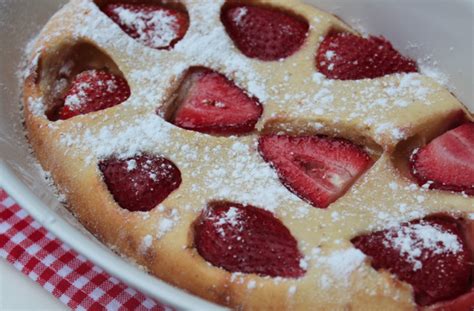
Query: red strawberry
x,y
265,33
462,303
209,103
431,254
346,56
142,182
150,24
93,90
246,239
318,169
447,162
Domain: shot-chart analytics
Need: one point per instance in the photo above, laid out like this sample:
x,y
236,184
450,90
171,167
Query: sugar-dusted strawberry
x,y
210,103
318,169
447,162
345,56
140,183
247,239
468,227
265,33
93,90
431,254
151,24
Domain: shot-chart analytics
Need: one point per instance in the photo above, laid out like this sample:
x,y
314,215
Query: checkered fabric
x,y
68,276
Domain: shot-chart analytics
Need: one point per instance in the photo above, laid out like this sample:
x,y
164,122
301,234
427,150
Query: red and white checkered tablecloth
x,y
61,271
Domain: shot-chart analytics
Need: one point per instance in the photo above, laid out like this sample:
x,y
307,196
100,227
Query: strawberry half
x,y
462,303
345,56
246,239
447,162
93,90
318,169
140,183
265,33
431,254
150,24
210,103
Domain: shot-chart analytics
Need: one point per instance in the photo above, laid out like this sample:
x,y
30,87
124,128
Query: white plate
x,y
440,28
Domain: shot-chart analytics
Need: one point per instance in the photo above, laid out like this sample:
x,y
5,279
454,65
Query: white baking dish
x,y
441,29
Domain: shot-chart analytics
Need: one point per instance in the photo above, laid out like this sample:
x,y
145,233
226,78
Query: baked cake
x,y
259,154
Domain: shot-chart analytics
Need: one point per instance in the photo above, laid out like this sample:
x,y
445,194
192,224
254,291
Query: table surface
x,y
18,292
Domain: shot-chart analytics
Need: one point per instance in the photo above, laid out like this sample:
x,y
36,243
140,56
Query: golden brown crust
x,y
70,151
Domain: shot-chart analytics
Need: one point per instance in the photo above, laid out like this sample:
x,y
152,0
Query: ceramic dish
x,y
439,29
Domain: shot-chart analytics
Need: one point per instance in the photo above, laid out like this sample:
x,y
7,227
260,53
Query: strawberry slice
x,y
209,103
462,303
318,169
431,254
93,90
246,239
151,24
265,33
140,183
346,56
447,162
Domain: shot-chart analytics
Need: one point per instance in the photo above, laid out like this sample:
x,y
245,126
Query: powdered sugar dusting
x,y
389,128
36,106
412,240
131,165
377,103
78,99
210,45
251,284
204,160
146,242
155,28
231,217
239,13
253,181
329,55
340,265
435,74
166,224
134,138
